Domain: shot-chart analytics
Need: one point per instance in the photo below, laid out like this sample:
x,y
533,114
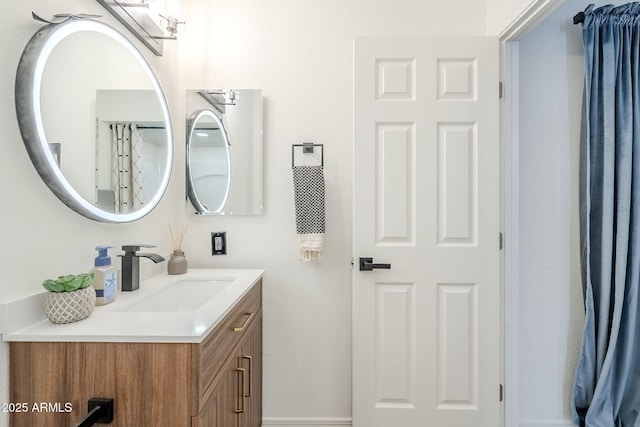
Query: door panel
x,y
394,151
426,333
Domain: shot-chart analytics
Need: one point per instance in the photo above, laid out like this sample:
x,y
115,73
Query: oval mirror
x,y
208,162
94,120
225,151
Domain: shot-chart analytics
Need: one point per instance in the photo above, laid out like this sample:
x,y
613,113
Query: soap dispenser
x,y
105,277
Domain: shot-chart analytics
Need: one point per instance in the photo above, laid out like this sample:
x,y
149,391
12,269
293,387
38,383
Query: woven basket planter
x,y
68,307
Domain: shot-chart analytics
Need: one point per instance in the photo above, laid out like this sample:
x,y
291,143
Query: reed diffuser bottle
x,y
177,264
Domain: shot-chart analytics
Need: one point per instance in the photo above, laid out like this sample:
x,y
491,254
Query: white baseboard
x,y
303,422
546,423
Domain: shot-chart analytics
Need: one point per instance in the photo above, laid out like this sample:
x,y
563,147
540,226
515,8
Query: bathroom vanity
x,y
176,353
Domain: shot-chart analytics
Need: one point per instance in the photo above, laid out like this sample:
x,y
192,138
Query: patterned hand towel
x,y
308,182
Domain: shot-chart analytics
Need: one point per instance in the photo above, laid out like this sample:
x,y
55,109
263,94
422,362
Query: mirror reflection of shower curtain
x,y
127,169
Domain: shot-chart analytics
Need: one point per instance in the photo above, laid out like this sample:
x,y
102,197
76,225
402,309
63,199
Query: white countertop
x,y
108,324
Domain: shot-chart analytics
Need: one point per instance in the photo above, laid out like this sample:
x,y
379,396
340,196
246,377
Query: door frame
x,y
531,16
526,20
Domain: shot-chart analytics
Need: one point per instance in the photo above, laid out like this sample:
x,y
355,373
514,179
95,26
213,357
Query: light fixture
x,y
220,98
143,3
171,25
167,10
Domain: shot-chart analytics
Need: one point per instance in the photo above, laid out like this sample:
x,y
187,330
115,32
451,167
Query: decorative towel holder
x,y
306,148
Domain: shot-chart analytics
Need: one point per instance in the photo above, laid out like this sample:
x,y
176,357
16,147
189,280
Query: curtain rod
x,y
142,126
579,18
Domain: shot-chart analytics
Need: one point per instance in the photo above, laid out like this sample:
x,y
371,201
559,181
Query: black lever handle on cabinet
x,y
366,264
100,411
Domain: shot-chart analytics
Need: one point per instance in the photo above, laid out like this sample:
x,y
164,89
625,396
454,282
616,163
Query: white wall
x,y
39,236
300,54
550,288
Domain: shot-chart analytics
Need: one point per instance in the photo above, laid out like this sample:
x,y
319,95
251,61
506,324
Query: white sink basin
x,y
185,295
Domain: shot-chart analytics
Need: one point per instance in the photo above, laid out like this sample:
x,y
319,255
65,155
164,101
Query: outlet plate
x,y
219,243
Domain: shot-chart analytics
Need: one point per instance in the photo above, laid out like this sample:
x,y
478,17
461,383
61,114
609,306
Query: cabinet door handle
x,y
246,322
240,410
250,359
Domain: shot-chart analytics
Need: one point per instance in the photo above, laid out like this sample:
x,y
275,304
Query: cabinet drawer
x,y
213,351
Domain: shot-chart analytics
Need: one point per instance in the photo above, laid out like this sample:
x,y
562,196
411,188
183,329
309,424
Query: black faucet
x,y
131,265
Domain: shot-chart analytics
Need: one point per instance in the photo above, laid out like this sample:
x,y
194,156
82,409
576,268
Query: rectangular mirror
x,y
224,151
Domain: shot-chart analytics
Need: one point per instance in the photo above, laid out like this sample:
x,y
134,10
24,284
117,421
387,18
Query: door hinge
x,y
500,90
501,392
501,240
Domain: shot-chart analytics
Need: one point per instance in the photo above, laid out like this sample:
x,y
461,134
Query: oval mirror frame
x,y
200,207
28,108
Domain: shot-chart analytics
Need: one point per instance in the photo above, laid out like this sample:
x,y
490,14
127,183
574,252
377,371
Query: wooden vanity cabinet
x,y
215,383
236,398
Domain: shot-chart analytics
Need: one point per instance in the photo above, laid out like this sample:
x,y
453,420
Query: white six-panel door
x,y
426,332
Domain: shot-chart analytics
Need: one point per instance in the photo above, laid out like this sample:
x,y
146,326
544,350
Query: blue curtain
x,y
607,386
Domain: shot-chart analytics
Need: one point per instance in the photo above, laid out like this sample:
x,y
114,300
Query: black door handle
x,y
366,264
